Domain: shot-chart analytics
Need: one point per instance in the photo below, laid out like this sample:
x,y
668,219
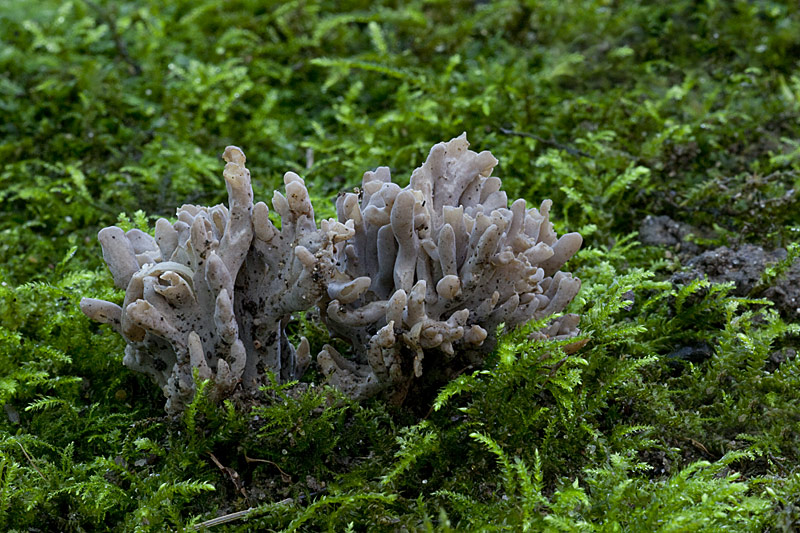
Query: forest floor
x,y
666,133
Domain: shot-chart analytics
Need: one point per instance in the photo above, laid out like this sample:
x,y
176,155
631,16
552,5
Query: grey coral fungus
x,y
416,279
434,269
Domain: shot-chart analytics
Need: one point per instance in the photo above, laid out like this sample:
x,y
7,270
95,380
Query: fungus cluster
x,y
416,279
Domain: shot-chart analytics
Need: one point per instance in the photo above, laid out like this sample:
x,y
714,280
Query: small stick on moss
x,y
553,370
777,462
233,474
119,44
284,476
699,446
30,460
550,142
224,519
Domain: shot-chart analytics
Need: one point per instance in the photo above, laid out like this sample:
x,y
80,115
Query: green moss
x,y
615,110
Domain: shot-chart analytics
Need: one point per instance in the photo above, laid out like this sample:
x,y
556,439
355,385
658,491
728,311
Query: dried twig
x,y
550,142
284,476
30,460
777,462
553,370
119,44
224,519
233,474
699,446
